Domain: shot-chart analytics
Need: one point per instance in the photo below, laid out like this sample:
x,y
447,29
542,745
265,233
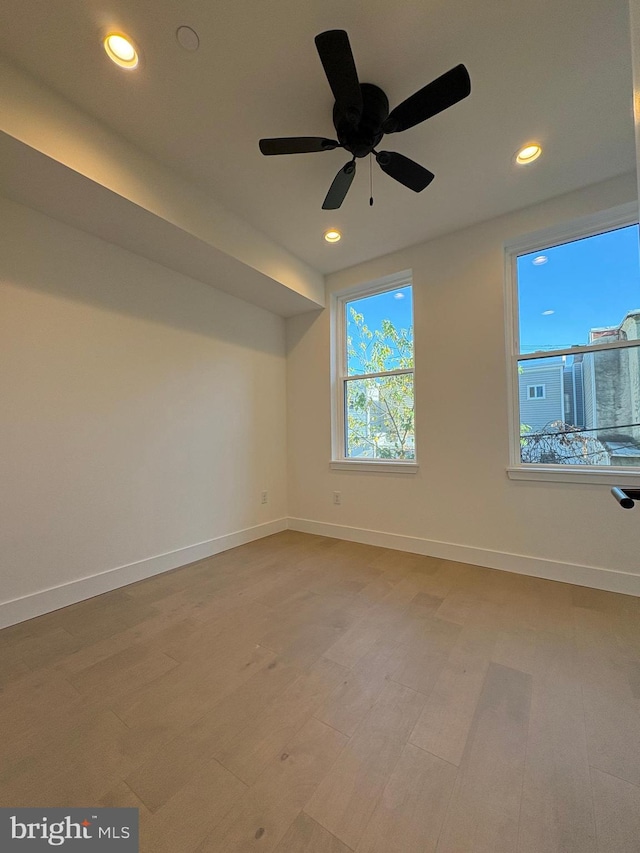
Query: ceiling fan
x,y
361,118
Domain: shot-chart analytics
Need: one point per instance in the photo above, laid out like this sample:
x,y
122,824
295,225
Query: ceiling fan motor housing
x,y
361,138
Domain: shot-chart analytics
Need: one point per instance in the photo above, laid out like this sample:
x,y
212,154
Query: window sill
x,y
379,467
560,474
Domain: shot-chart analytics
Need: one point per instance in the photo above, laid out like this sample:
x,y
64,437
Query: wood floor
x,y
306,694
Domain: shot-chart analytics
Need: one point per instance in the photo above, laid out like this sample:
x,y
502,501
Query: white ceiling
x,y
557,72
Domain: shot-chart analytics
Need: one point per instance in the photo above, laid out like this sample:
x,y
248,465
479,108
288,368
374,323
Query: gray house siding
x,y
589,391
577,384
537,413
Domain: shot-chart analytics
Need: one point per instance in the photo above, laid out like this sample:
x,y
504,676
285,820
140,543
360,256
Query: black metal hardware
x,y
626,497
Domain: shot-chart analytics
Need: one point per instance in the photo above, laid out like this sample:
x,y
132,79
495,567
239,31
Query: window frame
x,y
535,395
547,238
339,376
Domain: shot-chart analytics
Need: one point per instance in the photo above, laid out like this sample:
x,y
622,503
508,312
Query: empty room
x,y
320,426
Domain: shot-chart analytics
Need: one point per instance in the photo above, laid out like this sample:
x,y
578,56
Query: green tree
x,y
380,413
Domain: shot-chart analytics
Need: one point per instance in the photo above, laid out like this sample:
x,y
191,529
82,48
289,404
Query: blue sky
x,y
562,292
581,285
394,305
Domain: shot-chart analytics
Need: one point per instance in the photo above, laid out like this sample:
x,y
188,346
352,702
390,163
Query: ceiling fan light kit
x,y
361,118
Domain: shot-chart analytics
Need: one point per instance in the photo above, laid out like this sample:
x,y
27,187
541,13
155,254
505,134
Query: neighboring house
x,y
612,382
574,398
599,392
541,393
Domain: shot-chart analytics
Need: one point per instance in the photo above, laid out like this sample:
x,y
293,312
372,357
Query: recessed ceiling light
x,y
120,49
547,313
539,260
528,154
332,235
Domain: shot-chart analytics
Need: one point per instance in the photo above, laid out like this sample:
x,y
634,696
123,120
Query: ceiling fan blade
x,y
297,145
435,97
339,66
404,170
340,186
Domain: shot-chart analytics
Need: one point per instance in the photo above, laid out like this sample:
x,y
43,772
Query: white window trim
x,y
586,226
338,372
534,396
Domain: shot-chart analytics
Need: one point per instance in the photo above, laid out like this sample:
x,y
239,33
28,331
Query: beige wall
x,y
461,494
141,412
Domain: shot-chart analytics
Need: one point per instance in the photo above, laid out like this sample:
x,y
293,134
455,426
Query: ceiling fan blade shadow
x,y
297,145
406,171
432,99
340,187
339,66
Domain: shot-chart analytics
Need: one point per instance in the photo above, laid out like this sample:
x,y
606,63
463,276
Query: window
x,y
374,376
536,392
574,337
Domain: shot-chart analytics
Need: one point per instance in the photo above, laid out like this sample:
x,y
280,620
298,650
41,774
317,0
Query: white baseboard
x,y
56,597
592,576
44,601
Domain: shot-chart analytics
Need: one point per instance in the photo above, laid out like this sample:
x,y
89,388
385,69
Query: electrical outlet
x,y
337,498
264,497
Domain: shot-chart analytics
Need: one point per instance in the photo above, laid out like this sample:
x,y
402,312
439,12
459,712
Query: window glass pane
x,y
379,418
380,332
580,292
590,413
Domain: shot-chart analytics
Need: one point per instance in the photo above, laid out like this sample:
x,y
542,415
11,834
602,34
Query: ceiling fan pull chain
x,y
370,183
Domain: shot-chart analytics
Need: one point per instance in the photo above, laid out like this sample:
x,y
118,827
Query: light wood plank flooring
x,y
306,694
